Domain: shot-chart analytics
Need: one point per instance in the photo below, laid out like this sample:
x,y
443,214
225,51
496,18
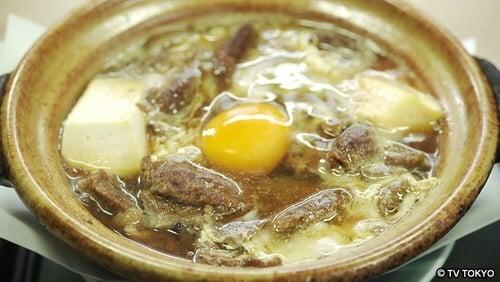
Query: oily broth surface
x,y
282,68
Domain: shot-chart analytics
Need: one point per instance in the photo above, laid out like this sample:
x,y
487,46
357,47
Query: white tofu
x,y
106,129
389,104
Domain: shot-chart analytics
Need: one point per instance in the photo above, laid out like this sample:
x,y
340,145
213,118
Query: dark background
x,y
478,250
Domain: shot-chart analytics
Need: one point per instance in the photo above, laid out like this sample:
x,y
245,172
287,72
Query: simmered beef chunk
x,y
391,196
322,206
188,184
224,245
356,144
230,53
233,233
107,190
267,261
211,253
380,170
401,155
180,92
302,160
336,40
161,213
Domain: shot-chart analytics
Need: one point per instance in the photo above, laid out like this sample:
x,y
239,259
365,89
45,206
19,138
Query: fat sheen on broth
x,y
233,140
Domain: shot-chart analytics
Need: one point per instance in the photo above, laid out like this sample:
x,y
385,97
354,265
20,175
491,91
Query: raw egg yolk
x,y
249,138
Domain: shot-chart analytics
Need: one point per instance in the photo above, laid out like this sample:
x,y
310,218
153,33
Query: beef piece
x,y
380,170
401,155
322,206
188,184
336,40
391,196
180,92
354,146
233,233
230,53
302,160
107,190
212,253
267,261
224,245
160,213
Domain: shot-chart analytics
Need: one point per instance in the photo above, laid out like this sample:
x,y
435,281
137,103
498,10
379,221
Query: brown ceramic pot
x,y
48,81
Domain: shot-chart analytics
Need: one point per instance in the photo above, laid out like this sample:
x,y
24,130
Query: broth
x,y
344,175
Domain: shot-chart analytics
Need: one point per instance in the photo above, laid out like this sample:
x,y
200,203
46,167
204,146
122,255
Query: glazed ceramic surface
x,y
49,80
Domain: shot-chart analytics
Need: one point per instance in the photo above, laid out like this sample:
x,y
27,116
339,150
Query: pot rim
x,y
113,256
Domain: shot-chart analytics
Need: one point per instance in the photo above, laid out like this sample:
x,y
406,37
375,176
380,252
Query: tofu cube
x,y
106,129
393,105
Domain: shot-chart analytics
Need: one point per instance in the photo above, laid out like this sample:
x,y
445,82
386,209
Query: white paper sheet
x,y
20,227
20,34
1,54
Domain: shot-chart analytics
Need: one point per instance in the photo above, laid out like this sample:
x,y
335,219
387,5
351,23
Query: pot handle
x,y
493,76
3,167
